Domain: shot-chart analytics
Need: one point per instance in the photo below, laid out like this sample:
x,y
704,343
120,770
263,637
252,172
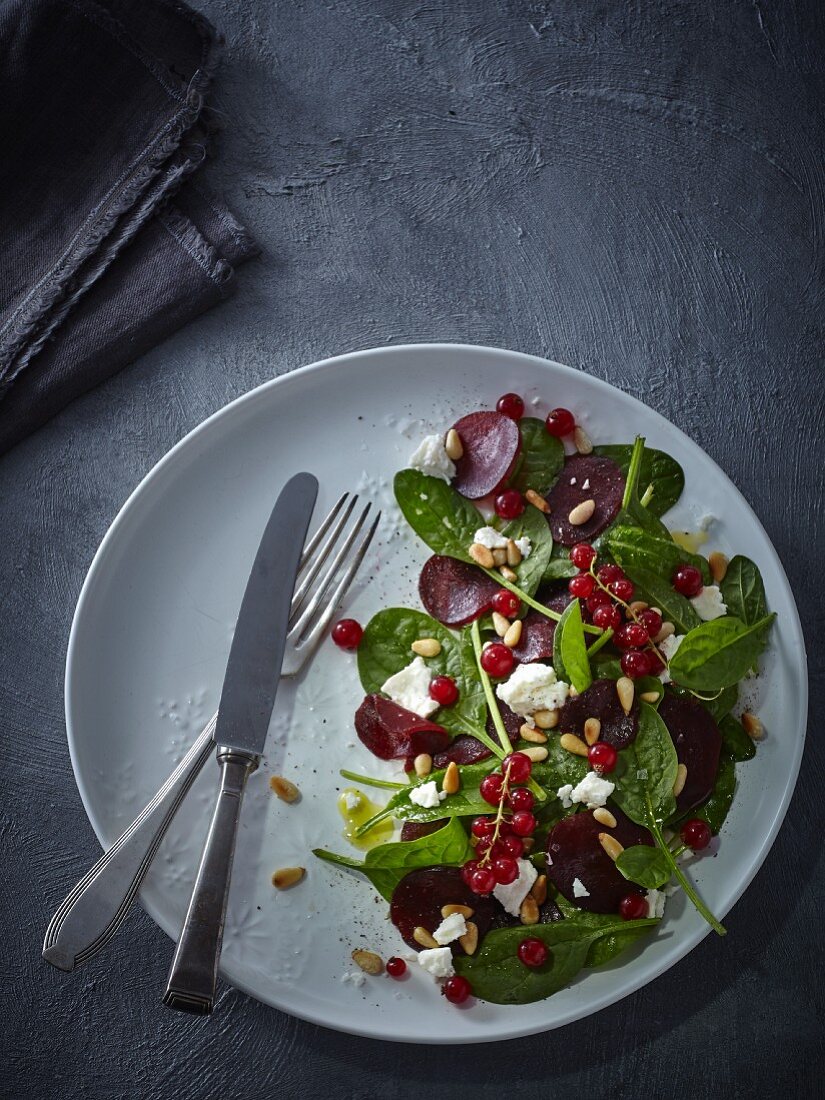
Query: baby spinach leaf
x,y
386,864
569,643
719,653
560,768
658,593
443,518
644,865
540,459
646,685
633,512
560,567
632,547
656,468
532,524
715,810
646,769
606,667
613,940
467,801
743,591
735,740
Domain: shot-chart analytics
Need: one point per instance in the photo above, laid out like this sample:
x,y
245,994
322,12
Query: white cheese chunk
x,y
352,800
491,538
437,961
709,603
668,648
524,545
451,928
564,794
431,458
579,889
592,790
410,688
533,687
512,895
655,903
427,795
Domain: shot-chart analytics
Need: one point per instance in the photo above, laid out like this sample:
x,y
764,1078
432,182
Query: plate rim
x,y
191,438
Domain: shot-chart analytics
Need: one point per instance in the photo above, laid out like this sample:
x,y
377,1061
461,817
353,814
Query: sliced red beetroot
x,y
512,723
455,592
601,701
463,749
419,896
536,642
491,443
698,742
574,852
555,595
414,830
585,477
393,733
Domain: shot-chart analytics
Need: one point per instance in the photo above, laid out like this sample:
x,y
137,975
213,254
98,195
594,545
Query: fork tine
x,y
314,636
325,581
312,571
312,545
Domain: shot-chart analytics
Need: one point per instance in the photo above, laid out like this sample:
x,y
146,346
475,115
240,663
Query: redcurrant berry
x,y
651,620
687,580
607,616
497,660
521,799
491,788
523,823
609,573
636,663
510,404
444,690
347,634
506,603
633,907
696,834
582,555
396,968
505,869
602,757
509,504
622,589
517,767
533,952
482,826
560,422
581,585
482,881
457,989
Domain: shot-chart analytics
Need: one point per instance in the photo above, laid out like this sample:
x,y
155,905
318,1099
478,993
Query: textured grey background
x,y
632,188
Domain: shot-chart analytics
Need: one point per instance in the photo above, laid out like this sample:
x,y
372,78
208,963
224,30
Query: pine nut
x,y
452,779
368,961
464,910
611,845
513,635
422,936
529,733
582,441
582,513
426,647
752,725
469,941
500,624
718,565
592,729
453,445
285,790
573,744
513,553
667,629
681,779
546,719
287,876
637,606
482,555
573,692
423,764
499,556
537,500
539,890
625,690
604,817
508,573
529,911
649,696
537,753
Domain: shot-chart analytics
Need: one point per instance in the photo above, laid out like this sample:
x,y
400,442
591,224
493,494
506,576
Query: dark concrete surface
x,y
634,188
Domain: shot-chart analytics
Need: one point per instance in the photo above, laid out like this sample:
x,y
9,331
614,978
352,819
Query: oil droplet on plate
x,y
356,809
690,540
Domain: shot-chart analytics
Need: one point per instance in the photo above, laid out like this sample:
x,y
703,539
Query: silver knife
x,y
248,695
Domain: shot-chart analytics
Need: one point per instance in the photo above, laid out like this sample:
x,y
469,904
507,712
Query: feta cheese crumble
x,y
709,603
579,889
533,687
564,794
451,928
354,977
524,545
430,457
592,790
437,961
491,538
668,648
352,800
410,688
512,895
655,903
427,795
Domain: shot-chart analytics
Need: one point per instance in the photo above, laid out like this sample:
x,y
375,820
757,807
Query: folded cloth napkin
x,y
107,245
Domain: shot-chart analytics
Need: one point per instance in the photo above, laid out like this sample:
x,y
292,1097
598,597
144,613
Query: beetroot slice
x,y
555,595
392,732
512,723
455,592
698,742
491,443
574,852
536,642
419,896
463,749
601,701
605,485
414,830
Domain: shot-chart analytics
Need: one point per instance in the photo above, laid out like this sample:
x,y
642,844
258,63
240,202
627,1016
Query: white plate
x,y
151,636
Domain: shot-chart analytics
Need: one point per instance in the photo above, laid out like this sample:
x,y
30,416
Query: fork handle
x,y
94,910
194,971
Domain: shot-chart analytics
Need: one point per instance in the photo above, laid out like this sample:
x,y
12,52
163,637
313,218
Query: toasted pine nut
x,y
529,911
573,692
582,441
469,941
573,744
423,764
287,876
537,753
482,555
426,647
422,936
499,556
369,962
681,779
637,606
625,690
537,500
464,910
611,845
718,565
452,779
500,624
546,719
604,817
285,790
582,513
529,733
508,573
592,729
453,445
514,555
649,696
752,725
667,629
539,889
513,635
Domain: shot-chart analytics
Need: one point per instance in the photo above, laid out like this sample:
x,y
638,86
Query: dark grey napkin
x,y
106,243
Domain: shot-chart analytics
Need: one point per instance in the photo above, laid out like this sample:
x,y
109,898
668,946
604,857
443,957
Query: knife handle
x,y
94,910
194,971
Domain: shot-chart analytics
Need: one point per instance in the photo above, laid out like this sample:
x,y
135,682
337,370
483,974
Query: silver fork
x,y
92,913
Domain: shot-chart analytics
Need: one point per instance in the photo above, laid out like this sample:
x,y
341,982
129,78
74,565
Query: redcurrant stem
x,y
546,611
595,647
505,790
368,781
